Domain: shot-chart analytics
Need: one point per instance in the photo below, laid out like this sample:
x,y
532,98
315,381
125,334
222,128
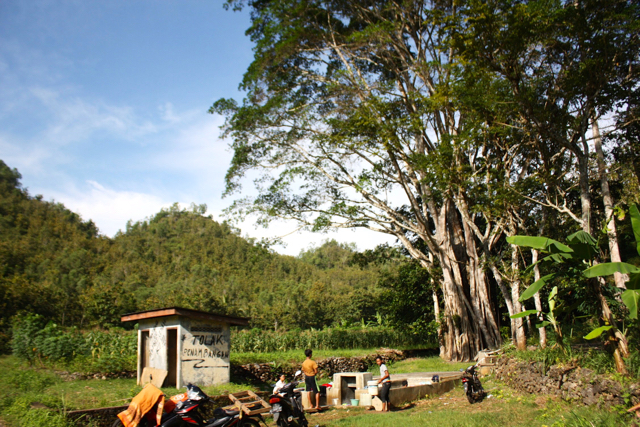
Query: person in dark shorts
x,y
310,370
385,380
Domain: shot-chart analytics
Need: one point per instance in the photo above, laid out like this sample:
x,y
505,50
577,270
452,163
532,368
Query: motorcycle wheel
x,y
470,398
249,422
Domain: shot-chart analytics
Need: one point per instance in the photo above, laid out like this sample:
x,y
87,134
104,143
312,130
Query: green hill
x,y
55,264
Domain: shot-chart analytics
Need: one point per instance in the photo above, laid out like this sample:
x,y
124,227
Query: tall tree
x,y
350,118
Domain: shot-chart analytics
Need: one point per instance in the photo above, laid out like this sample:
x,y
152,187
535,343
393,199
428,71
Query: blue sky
x,y
103,107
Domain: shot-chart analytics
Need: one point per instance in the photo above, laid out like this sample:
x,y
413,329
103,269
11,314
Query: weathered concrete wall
x,y
204,352
157,343
203,349
400,395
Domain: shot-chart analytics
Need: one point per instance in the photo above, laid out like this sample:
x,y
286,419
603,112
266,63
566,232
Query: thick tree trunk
x,y
607,199
542,332
468,324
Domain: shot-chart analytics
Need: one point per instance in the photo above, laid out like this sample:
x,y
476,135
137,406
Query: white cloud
x,y
170,155
110,209
297,241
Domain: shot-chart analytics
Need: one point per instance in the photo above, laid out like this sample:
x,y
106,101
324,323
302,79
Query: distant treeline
x,y
57,265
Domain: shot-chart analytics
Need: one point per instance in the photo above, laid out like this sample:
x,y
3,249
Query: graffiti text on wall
x,y
208,340
204,352
202,363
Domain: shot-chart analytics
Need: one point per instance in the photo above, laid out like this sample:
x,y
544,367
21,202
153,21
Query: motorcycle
x,y
286,405
472,386
187,413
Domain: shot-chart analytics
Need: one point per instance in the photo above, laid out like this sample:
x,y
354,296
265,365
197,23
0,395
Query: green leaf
x,y
539,242
630,298
542,324
581,237
559,258
523,314
583,245
553,293
608,268
635,224
597,332
535,287
634,281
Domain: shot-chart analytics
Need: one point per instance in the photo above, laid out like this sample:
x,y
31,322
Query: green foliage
x,y
56,266
256,340
86,351
407,299
579,253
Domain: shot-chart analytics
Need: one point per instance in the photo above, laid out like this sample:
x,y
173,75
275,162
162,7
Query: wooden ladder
x,y
248,402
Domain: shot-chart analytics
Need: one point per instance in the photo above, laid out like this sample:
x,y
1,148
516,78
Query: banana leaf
x,y
630,298
523,314
539,242
608,268
635,224
583,244
634,281
597,332
535,287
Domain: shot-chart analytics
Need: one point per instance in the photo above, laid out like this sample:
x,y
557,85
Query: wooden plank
x,y
249,403
153,376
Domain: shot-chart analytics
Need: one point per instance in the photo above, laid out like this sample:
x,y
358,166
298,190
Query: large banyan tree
x,y
365,114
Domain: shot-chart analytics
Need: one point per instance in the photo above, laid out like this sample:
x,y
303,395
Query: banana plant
x,y
631,295
550,316
580,246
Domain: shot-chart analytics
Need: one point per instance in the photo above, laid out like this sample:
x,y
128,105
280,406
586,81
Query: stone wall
x,y
569,382
269,372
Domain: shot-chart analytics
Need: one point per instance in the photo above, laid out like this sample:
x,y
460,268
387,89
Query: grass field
x,y
503,409
21,387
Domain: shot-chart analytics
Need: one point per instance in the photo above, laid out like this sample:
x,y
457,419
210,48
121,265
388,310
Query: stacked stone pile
x,y
269,372
569,382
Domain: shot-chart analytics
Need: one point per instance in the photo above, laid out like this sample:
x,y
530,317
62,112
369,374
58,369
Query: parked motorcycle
x,y
286,405
188,413
472,386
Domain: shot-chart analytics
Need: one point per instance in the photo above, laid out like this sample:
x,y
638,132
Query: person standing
x,y
385,380
310,369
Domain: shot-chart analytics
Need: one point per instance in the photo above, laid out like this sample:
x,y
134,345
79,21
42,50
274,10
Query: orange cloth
x,y
141,404
169,405
309,367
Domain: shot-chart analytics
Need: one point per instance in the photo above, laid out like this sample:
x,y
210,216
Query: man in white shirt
x,y
385,379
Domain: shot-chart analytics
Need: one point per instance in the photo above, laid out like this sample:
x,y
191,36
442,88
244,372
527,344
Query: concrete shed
x,y
190,346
